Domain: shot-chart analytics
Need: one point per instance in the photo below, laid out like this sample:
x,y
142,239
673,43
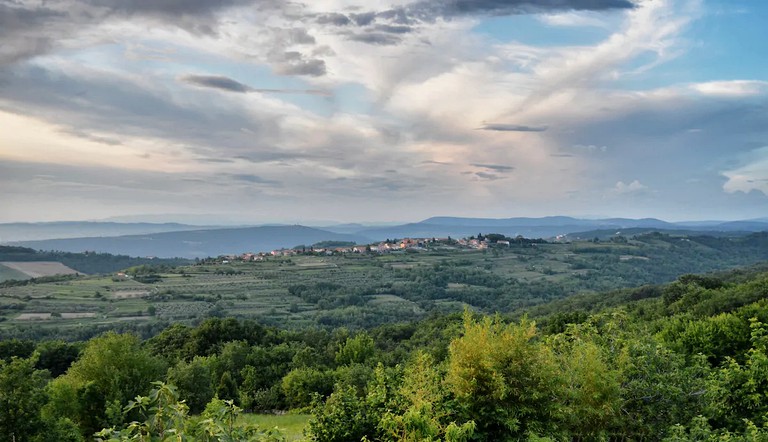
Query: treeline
x,y
684,361
86,262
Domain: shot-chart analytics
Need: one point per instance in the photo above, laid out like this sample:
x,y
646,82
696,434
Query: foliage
x,y
165,418
111,369
503,379
625,365
21,397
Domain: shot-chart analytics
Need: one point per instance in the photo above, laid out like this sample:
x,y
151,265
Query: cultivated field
x,y
38,269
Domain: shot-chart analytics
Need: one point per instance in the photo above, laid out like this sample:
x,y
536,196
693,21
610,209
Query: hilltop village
x,y
479,242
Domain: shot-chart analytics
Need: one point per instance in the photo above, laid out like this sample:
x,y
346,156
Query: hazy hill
x,y
10,232
197,243
547,227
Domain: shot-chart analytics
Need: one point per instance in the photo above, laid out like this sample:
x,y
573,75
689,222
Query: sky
x,y
259,111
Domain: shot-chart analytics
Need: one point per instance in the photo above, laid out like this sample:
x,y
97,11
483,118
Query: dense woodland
x,y
683,361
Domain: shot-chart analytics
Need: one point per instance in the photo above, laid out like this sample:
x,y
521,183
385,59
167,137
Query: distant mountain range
x,y
548,227
78,229
182,240
196,243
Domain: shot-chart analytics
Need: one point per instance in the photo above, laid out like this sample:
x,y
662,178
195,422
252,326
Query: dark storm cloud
x,y
502,127
495,167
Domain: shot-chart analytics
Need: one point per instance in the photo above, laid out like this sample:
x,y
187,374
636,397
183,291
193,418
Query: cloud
x,y
488,176
109,141
441,8
503,127
751,175
253,179
733,88
494,167
295,63
634,187
573,19
375,38
216,82
590,148
229,85
28,29
333,18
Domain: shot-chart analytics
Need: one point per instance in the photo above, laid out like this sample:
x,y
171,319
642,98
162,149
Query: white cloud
x,y
575,19
753,175
732,88
634,187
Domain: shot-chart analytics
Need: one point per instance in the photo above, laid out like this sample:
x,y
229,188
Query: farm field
x,y
366,290
36,269
8,274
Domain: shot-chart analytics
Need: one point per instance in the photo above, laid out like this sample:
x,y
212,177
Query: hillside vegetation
x,y
686,362
354,290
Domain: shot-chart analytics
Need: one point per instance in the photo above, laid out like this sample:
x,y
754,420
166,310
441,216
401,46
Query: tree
x,y
193,380
356,350
503,379
56,356
22,395
301,384
227,388
112,369
426,413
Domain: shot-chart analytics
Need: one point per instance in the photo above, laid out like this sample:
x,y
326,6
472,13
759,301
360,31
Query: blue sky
x,y
349,110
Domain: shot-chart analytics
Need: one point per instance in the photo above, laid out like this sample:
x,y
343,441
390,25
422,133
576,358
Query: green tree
x,y
426,412
503,379
194,382
358,349
739,392
301,384
56,356
22,395
112,369
227,388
